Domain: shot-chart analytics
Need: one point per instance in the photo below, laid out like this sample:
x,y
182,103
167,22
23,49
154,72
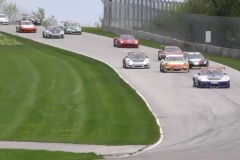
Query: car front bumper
x,y
28,29
177,70
4,22
73,32
56,35
138,65
213,84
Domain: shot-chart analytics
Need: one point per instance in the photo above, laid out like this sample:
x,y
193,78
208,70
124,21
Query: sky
x,y
86,12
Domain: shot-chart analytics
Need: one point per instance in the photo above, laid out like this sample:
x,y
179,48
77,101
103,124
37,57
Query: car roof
x,y
26,21
175,55
192,52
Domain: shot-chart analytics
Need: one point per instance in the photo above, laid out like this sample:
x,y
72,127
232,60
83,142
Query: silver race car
x,y
136,59
196,59
53,32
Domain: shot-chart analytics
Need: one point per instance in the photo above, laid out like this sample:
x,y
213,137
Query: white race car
x,y
4,20
136,59
211,77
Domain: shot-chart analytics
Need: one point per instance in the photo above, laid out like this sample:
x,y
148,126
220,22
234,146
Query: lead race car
x,y
211,77
136,59
53,32
127,41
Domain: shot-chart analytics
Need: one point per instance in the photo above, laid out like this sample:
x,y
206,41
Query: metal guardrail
x,y
160,17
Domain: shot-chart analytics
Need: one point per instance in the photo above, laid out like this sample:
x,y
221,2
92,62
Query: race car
x,y
53,32
136,59
71,27
26,26
211,77
168,50
174,63
30,17
196,59
127,41
4,20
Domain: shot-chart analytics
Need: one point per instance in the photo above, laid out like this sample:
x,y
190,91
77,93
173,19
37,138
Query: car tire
x,y
43,35
159,57
114,43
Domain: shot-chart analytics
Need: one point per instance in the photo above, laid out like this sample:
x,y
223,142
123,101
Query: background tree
x,y
40,14
225,8
2,3
11,10
51,21
99,23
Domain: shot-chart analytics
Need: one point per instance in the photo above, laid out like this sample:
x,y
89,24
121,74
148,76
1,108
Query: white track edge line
x,y
158,122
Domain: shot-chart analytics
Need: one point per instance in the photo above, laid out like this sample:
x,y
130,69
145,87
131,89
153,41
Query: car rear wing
x,y
220,67
134,51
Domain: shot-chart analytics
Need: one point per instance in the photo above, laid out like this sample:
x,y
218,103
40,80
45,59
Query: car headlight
x,y
136,42
166,64
185,64
128,61
225,78
121,41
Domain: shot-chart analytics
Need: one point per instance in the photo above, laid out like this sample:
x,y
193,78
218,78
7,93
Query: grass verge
x,y
4,40
53,95
19,154
231,62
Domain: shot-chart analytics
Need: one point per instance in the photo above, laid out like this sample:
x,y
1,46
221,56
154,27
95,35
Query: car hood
x,y
138,60
3,18
214,77
28,26
72,27
175,62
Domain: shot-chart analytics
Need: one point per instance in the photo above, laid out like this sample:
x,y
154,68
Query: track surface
x,y
197,123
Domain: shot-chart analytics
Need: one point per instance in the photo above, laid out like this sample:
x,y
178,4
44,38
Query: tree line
x,y
13,12
224,8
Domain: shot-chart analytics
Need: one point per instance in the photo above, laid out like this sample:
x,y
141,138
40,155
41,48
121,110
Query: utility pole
x,y
110,12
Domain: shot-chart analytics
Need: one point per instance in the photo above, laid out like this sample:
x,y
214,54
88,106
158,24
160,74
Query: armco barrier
x,y
225,52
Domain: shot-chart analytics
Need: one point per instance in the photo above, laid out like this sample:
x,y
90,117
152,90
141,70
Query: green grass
x,y
231,62
51,95
4,40
18,154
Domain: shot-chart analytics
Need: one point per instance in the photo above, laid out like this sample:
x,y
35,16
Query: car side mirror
x,y
146,56
198,73
225,73
208,58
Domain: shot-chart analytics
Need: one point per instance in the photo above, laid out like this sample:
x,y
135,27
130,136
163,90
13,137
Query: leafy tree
x,y
51,21
11,10
40,14
2,4
99,23
225,8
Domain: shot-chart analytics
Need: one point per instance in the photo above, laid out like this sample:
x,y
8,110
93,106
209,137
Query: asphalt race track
x,y
198,124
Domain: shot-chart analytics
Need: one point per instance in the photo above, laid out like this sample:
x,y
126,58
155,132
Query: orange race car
x,y
174,63
127,41
26,26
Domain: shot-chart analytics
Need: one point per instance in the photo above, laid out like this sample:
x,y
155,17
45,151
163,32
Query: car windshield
x,y
72,25
127,37
54,29
137,56
194,56
172,50
174,59
2,16
213,71
26,23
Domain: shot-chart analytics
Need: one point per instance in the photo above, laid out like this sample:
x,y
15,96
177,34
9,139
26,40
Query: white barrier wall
x,y
225,52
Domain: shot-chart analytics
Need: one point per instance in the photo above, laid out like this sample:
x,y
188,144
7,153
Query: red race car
x,y
168,50
26,26
127,41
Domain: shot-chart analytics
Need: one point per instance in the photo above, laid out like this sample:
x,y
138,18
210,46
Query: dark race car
x,y
34,19
196,59
127,41
168,50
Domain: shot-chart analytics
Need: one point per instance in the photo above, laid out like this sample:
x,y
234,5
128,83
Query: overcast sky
x,y
83,11
86,12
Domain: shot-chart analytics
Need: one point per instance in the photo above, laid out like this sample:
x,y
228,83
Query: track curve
x,y
197,123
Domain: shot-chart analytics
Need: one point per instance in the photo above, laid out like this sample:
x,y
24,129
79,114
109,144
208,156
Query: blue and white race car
x,y
211,77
